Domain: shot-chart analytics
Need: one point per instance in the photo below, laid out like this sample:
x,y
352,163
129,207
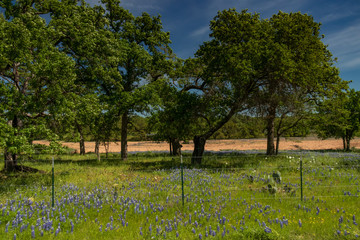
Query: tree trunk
x,y
82,140
10,159
124,126
348,139
82,145
97,149
176,147
170,145
107,147
348,144
344,143
270,150
199,147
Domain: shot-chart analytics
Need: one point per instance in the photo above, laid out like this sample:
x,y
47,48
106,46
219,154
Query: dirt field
x,y
222,145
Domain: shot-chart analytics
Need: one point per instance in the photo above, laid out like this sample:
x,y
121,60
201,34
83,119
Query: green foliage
x,y
339,117
35,76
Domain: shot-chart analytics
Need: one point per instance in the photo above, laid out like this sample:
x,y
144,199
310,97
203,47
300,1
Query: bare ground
x,y
308,143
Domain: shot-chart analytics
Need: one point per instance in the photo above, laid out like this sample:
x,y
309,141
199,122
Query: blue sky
x,y
188,23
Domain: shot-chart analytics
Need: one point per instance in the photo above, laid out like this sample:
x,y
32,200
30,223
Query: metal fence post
x,y
52,185
182,180
301,179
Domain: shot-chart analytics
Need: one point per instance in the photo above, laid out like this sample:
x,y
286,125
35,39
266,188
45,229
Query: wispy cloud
x,y
335,16
265,7
137,6
200,32
344,44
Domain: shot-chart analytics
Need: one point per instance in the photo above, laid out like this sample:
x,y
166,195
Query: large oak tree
x,y
35,76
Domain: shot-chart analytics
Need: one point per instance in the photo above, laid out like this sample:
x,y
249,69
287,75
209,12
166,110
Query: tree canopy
x,y
96,69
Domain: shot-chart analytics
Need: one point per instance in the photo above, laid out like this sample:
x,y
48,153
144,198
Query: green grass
x,y
229,191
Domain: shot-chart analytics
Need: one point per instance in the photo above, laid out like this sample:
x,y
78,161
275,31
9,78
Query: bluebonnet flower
x,y
32,231
267,230
341,219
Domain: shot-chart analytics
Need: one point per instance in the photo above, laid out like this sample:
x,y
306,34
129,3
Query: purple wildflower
x,y
267,230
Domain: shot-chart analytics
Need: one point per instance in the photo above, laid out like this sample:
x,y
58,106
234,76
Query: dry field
x,y
309,143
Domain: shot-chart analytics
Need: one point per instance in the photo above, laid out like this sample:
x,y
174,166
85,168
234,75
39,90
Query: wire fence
x,y
282,178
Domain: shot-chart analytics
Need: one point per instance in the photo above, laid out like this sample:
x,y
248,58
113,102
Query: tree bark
x,y
348,139
82,145
97,149
199,147
277,144
10,159
348,144
124,133
344,142
107,147
270,149
176,147
170,146
82,140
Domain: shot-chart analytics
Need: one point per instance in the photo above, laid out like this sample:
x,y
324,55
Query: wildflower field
x,y
243,195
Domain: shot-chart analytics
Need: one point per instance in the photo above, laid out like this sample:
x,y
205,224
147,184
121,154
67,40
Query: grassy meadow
x,y
232,195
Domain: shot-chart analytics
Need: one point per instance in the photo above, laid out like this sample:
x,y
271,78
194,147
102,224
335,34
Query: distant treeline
x,y
239,127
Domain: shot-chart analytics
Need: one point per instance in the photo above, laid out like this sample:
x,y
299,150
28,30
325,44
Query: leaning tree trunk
x,y
270,149
199,147
277,144
124,132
